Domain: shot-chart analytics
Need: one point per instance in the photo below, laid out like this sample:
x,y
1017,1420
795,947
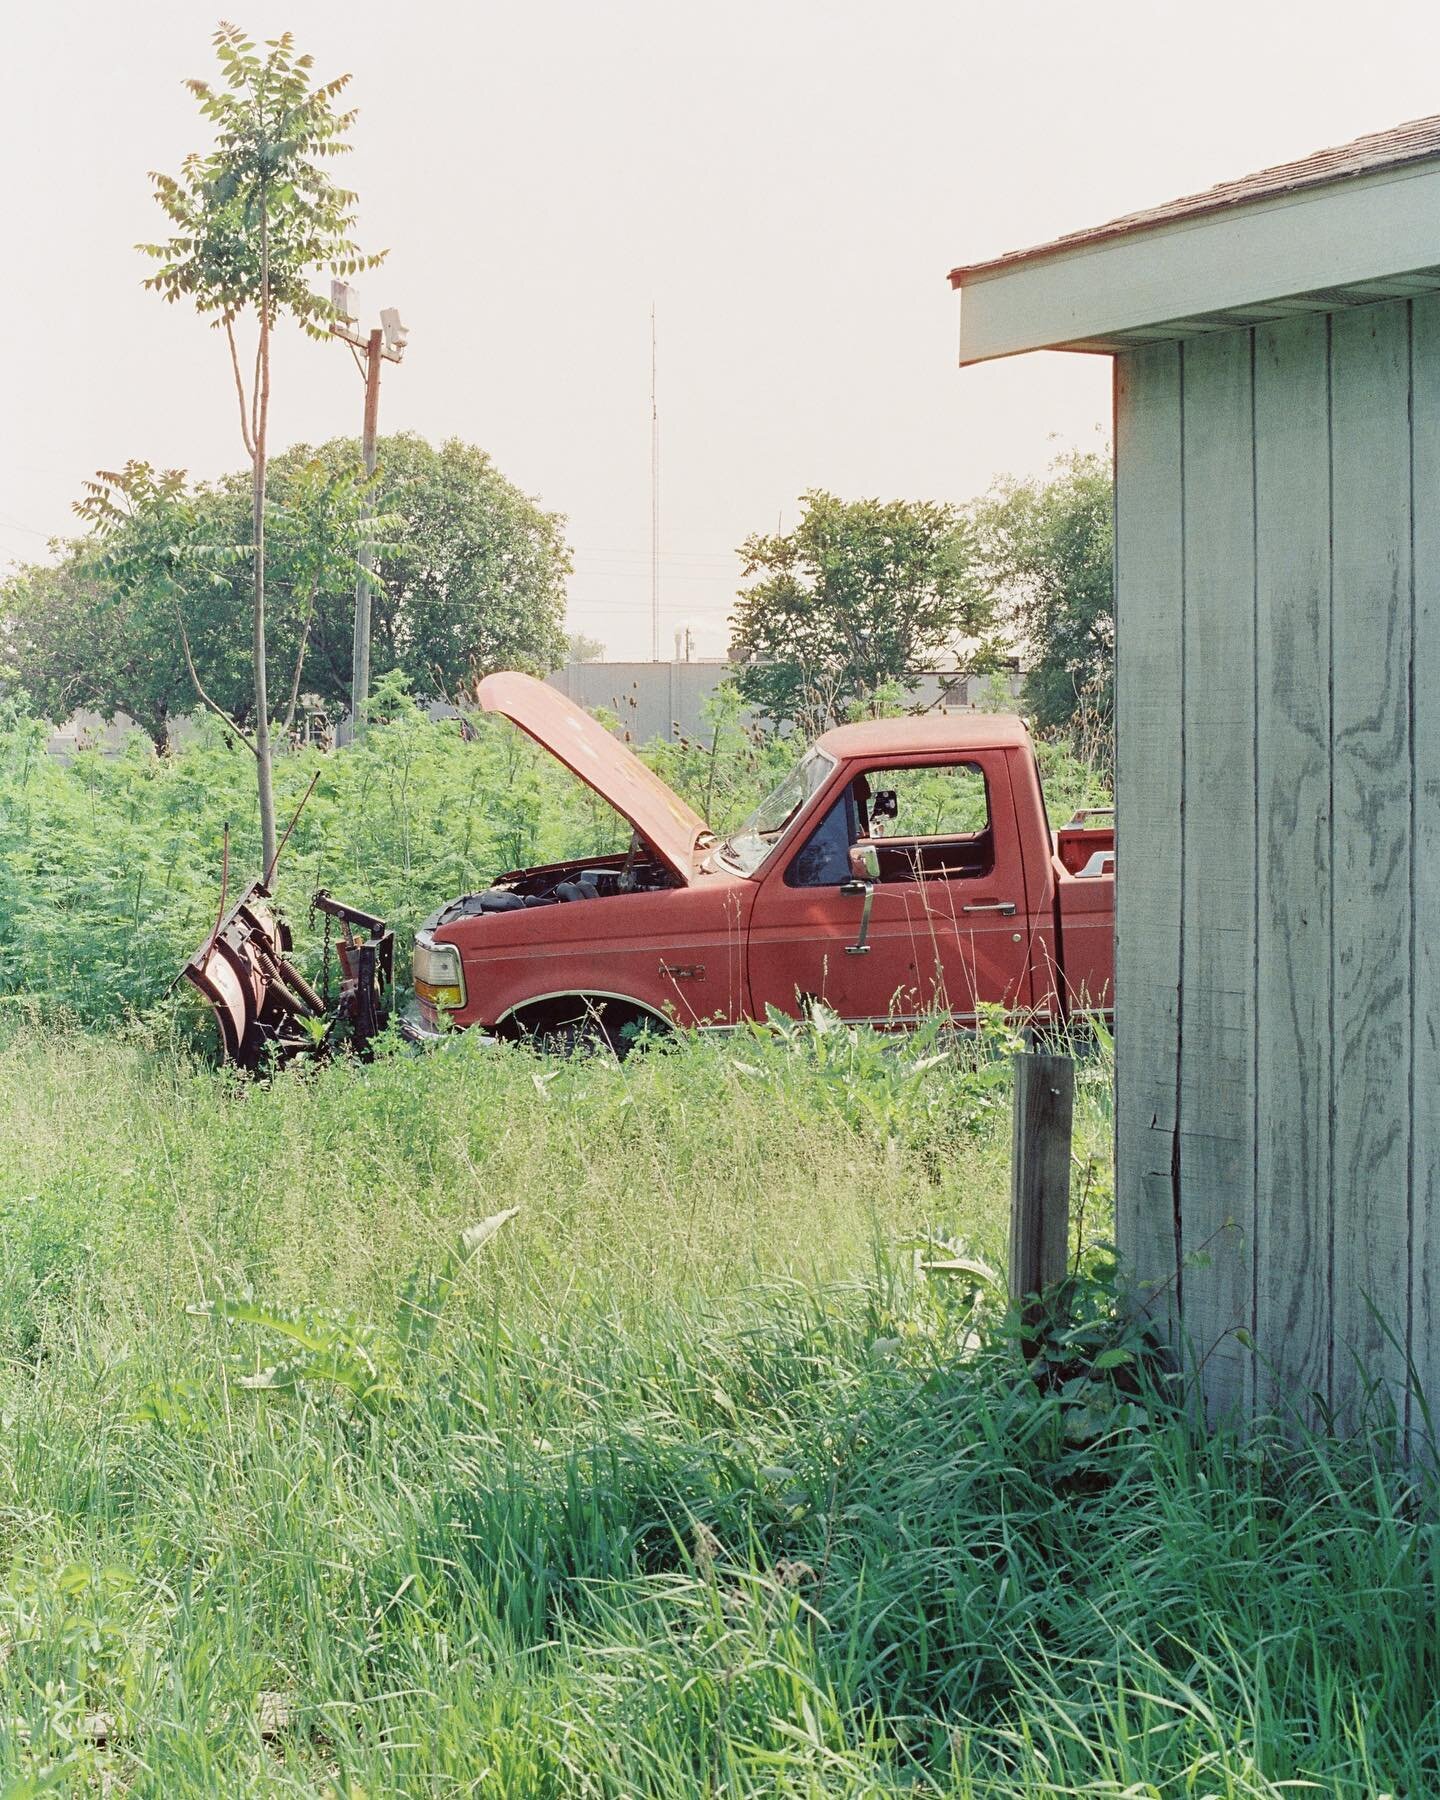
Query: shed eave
x,y
1365,239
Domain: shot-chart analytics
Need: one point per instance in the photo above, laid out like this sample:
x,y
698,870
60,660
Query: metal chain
x,y
325,956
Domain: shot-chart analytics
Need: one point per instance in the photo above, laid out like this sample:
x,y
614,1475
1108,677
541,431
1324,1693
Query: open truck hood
x,y
668,825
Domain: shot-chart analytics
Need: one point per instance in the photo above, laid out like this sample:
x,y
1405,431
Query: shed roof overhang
x,y
1342,228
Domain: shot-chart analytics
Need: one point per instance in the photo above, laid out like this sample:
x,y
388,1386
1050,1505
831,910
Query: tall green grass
x,y
697,1489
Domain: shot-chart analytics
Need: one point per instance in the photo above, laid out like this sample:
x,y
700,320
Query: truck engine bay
x,y
635,871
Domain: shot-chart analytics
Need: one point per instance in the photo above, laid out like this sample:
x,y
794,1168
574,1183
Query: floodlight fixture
x,y
395,333
344,301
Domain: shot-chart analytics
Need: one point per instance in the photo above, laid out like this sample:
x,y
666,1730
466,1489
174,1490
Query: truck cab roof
x,y
925,733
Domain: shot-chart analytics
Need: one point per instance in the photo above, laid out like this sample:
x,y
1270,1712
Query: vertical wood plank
x,y
1425,1245
1217,997
1040,1172
1149,751
1372,921
1293,1238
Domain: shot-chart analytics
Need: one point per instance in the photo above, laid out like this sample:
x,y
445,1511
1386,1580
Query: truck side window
x,y
823,860
928,824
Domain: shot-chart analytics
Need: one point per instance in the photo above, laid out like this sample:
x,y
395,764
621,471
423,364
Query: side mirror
x,y
864,862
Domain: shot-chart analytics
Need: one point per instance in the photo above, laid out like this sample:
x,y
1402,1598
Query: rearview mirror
x,y
864,862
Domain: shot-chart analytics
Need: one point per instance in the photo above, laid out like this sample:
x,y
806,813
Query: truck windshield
x,y
746,848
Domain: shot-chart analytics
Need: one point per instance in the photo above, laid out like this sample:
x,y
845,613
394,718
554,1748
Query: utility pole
x,y
386,343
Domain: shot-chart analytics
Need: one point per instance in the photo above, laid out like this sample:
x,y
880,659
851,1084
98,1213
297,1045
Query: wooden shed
x,y
1276,346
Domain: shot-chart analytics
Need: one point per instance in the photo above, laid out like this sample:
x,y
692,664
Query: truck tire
x,y
581,1025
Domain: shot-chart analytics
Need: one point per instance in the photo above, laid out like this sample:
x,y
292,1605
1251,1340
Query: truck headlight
x,y
439,978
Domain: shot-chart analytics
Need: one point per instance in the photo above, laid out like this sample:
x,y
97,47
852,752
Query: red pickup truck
x,y
904,866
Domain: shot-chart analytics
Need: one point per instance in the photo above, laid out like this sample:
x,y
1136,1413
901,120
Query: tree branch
x,y
239,388
300,656
215,707
255,382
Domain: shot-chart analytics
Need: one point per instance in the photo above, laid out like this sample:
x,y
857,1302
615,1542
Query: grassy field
x,y
682,1484
683,1481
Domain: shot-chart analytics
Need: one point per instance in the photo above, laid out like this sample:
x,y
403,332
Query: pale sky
x,y
788,183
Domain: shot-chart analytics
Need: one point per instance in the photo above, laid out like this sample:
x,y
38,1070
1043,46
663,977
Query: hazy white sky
x,y
788,182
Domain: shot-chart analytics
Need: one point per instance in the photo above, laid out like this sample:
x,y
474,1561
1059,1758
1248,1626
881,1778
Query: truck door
x,y
942,926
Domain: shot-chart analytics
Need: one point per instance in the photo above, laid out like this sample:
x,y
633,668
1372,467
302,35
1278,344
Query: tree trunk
x,y
263,768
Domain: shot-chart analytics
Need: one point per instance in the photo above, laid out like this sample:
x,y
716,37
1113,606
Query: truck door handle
x,y
867,888
1006,908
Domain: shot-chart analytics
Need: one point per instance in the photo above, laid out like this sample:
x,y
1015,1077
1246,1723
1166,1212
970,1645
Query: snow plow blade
x,y
265,1009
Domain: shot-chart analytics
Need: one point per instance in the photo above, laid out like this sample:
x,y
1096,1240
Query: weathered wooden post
x,y
1040,1173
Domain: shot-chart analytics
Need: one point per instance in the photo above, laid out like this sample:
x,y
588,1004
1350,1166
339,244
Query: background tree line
x,y
851,607
839,616
471,578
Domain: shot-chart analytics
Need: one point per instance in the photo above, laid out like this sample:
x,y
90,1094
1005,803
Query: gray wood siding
x,y
1150,756
1278,982
1217,904
1425,1191
1370,878
1294,1217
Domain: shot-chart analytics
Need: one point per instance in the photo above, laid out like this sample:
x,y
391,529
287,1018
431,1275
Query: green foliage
x,y
255,221
582,649
168,563
1075,773
1048,549
70,642
471,578
327,532
110,866
725,773
859,596
258,216
881,1087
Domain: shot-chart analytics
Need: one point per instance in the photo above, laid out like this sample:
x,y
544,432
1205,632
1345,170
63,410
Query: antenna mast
x,y
654,504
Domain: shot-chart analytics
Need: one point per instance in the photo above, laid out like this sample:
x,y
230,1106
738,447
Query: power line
x,y
654,503
32,530
633,577
641,550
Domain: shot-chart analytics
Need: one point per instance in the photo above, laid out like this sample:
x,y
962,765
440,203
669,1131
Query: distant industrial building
x,y
668,700
649,700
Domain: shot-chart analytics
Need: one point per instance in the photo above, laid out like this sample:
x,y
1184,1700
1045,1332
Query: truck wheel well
x,y
567,1022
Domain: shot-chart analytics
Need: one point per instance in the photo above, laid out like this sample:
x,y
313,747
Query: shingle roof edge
x,y
1414,142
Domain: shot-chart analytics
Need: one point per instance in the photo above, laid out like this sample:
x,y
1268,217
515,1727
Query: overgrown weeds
x,y
110,867
695,1487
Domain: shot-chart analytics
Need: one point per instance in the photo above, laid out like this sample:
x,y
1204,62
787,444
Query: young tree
x,y
1048,548
255,219
858,598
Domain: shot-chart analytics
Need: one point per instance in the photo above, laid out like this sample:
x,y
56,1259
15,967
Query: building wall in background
x,y
666,700
650,700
